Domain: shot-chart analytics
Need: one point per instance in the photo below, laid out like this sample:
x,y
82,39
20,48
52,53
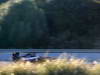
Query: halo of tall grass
x,y
51,67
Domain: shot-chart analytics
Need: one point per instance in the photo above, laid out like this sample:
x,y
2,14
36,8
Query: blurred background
x,y
53,24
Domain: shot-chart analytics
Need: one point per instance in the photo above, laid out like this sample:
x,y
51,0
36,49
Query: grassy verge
x,y
54,67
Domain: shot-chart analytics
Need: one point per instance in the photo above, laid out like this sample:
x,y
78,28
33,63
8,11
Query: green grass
x,y
53,67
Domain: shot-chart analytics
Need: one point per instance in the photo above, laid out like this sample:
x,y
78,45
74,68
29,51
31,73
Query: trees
x,y
72,22
23,24
48,23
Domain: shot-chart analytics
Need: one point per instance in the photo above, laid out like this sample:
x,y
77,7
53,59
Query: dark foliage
x,y
72,24
23,25
50,24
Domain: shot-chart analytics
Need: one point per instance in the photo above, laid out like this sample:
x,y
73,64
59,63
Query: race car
x,y
31,59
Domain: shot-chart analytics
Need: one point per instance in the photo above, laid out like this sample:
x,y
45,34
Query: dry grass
x,y
54,67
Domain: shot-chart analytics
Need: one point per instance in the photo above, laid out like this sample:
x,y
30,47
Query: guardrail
x,y
50,50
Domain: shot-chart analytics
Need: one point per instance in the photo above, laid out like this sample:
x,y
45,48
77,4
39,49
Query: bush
x,y
22,24
73,23
49,24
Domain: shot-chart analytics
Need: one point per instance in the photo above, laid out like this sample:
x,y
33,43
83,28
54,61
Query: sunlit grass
x,y
52,67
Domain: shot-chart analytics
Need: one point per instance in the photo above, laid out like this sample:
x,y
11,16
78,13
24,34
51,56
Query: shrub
x,y
22,24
